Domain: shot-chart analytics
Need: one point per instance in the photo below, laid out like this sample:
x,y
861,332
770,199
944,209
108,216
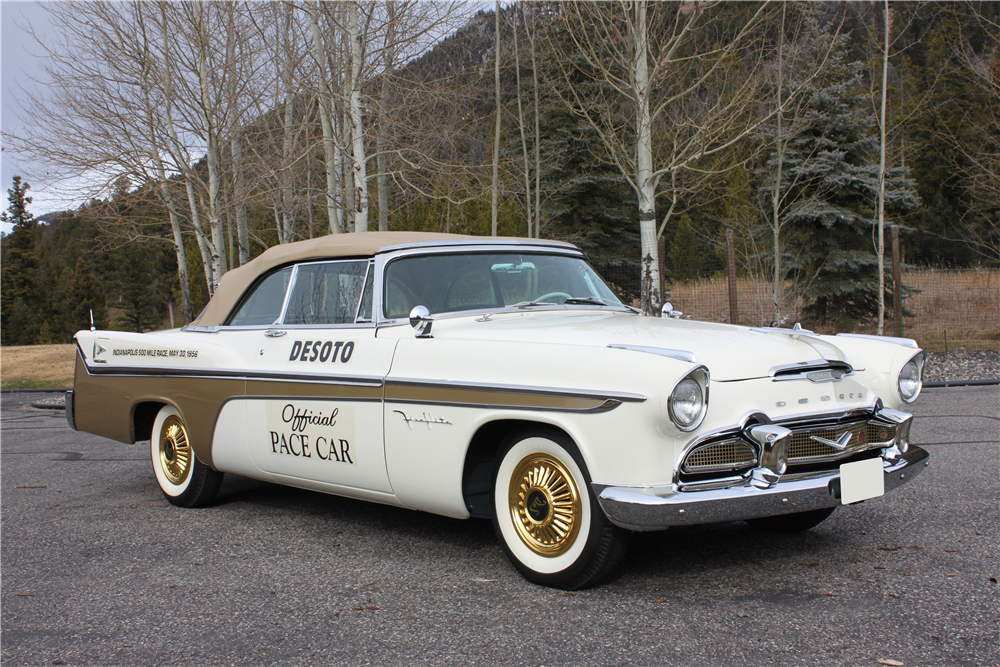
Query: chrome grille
x,y
804,449
727,455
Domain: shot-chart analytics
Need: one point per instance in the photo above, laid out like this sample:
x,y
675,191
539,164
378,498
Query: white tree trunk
x,y
239,185
881,177
203,243
644,172
357,124
778,277
389,57
325,102
496,129
212,153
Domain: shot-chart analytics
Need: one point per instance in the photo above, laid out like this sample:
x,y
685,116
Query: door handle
x,y
275,334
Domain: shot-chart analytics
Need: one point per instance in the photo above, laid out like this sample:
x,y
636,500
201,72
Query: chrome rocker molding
x,y
659,507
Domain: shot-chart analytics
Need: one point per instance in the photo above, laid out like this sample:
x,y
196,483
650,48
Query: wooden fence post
x,y
734,313
897,288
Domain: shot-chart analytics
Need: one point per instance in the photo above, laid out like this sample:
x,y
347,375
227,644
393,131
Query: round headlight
x,y
909,381
687,404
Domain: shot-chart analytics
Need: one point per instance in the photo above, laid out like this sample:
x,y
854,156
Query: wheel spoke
x,y
545,504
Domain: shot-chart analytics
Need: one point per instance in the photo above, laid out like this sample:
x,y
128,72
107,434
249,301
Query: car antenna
x,y
92,327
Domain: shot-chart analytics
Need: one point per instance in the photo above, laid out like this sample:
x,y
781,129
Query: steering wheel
x,y
553,295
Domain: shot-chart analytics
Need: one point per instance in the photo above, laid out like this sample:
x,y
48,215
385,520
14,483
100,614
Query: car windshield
x,y
490,281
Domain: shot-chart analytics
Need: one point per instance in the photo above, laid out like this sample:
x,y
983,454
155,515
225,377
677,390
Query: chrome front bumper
x,y
645,508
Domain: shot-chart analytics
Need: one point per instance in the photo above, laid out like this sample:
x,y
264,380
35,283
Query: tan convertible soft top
x,y
364,244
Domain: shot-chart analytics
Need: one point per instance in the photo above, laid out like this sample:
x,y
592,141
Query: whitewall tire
x,y
546,515
184,480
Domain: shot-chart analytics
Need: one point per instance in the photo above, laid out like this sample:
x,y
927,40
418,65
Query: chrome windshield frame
x,y
523,246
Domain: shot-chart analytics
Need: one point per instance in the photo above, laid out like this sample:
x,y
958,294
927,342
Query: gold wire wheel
x,y
176,458
545,504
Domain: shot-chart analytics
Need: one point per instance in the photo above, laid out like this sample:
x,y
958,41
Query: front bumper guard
x,y
646,508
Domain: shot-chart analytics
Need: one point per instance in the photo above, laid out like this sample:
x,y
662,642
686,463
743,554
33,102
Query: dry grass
x,y
954,307
35,366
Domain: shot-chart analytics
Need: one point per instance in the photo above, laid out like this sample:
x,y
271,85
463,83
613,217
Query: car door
x,y
314,391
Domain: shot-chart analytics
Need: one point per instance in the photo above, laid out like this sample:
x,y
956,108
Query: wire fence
x,y
944,308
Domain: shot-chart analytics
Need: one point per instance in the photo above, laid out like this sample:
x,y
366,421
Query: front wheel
x,y
184,480
547,516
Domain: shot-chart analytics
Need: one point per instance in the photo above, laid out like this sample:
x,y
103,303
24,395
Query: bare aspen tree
x,y
665,82
286,177
179,151
381,144
496,129
325,104
211,136
520,125
162,184
880,247
236,146
537,213
360,162
779,147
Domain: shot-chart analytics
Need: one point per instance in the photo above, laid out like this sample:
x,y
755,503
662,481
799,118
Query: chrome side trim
x,y
682,355
286,397
646,508
621,397
155,371
217,374
346,380
195,328
606,406
907,342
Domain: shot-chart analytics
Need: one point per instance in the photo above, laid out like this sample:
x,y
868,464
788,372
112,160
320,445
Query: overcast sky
x,y
18,64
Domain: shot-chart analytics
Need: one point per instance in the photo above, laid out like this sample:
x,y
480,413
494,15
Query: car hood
x,y
730,352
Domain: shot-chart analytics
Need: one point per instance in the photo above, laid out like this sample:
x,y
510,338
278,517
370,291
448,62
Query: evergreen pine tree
x,y
685,252
830,177
85,295
19,303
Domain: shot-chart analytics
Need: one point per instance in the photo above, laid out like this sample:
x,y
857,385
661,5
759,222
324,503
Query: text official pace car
x,y
501,378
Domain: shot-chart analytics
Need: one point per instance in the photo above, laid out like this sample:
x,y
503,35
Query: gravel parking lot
x,y
98,569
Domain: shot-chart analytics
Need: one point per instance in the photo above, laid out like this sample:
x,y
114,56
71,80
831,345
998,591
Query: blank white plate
x,y
861,480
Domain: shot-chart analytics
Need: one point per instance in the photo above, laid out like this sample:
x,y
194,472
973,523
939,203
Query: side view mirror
x,y
668,311
421,321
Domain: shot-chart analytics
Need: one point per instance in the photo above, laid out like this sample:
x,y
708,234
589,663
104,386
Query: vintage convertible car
x,y
501,378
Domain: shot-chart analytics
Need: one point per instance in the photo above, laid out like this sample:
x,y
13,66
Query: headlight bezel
x,y
915,362
700,376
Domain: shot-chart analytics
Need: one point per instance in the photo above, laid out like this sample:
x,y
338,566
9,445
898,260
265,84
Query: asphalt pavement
x,y
98,569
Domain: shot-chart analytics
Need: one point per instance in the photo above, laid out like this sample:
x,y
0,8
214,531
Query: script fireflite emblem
x,y
840,444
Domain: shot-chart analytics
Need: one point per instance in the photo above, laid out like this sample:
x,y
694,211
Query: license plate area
x,y
861,480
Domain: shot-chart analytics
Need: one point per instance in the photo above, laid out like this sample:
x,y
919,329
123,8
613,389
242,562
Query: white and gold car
x,y
501,378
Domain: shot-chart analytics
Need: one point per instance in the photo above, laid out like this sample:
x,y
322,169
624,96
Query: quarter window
x,y
326,293
263,306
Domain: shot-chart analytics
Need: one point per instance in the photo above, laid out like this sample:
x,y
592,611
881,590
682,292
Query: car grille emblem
x,y
840,444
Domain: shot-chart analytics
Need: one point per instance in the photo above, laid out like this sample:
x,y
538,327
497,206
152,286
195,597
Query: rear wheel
x,y
547,516
792,523
184,480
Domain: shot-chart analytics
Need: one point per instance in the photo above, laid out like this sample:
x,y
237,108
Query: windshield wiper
x,y
598,301
531,304
591,300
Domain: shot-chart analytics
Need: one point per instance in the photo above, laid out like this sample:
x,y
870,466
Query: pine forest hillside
x,y
625,128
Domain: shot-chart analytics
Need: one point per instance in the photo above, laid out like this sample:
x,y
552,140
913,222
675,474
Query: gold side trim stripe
x,y
397,384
